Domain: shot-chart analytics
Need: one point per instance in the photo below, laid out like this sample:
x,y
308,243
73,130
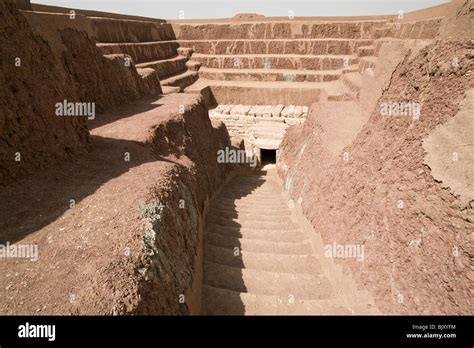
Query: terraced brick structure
x,y
238,166
292,63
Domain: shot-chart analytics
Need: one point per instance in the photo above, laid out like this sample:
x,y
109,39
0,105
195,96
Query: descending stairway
x,y
257,259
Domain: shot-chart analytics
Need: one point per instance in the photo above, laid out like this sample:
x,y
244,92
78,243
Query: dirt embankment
x,y
173,244
380,193
36,72
140,182
167,271
131,243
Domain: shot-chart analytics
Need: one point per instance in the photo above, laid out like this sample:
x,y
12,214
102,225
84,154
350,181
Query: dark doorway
x,y
268,156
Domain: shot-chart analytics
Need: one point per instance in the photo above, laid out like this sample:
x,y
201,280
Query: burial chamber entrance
x,y
267,156
260,127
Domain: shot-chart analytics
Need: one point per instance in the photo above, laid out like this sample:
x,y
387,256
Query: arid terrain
x,y
237,166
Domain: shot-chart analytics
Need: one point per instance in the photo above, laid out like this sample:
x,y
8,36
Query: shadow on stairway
x,y
223,236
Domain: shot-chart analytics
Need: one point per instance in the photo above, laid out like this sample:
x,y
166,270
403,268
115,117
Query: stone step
x,y
170,89
296,286
254,187
250,203
269,211
280,263
276,61
185,52
242,193
110,30
368,62
247,201
283,75
378,45
364,51
260,263
284,236
193,65
277,46
350,68
248,197
353,81
383,32
218,301
233,217
166,67
151,77
232,202
290,29
255,245
260,92
142,52
258,184
241,190
255,224
182,80
421,29
255,181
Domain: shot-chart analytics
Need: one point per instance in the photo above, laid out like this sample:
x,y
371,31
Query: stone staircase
x,y
257,258
368,56
288,63
152,46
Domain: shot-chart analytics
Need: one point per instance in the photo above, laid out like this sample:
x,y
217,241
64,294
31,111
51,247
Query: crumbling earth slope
x,y
36,72
380,193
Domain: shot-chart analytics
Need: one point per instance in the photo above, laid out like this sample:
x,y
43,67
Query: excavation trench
x,y
260,255
256,253
160,227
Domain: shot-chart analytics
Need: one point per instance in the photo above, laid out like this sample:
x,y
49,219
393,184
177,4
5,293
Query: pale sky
x,y
171,9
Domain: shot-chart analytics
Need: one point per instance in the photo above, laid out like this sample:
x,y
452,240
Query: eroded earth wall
x,y
163,273
45,64
380,192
